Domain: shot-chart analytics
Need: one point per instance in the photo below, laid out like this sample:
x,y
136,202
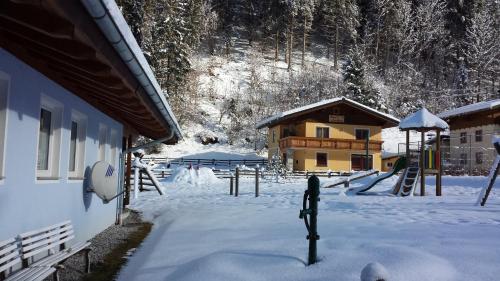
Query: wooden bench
x,y
39,253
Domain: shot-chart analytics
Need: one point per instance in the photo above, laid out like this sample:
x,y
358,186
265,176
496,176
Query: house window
x,y
49,139
321,159
274,136
463,159
114,147
77,145
286,132
463,137
358,162
389,164
362,134
4,90
103,131
322,132
479,135
479,158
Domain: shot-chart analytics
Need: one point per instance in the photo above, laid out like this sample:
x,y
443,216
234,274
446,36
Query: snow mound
x,y
423,119
193,176
374,272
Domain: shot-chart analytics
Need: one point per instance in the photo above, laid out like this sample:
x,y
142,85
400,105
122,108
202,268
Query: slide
x,y
398,166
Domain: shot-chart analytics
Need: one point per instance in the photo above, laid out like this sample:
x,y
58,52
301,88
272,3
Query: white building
x,y
74,89
471,130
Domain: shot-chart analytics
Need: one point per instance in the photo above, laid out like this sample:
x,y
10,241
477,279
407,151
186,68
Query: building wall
x,y
471,147
388,163
273,146
343,131
338,160
25,202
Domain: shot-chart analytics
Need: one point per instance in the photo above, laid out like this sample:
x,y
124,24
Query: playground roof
x,y
267,122
423,120
471,108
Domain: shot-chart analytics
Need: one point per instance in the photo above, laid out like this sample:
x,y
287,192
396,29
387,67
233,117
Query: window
x,y
49,139
114,147
362,134
77,138
479,135
286,132
358,162
389,164
463,159
322,132
274,136
479,158
103,131
321,159
4,91
463,137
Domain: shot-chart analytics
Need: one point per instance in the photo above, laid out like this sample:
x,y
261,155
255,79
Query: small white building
x,y
471,130
74,89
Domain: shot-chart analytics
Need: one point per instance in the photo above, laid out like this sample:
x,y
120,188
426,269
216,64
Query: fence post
x,y
257,181
231,184
141,187
162,174
237,181
470,155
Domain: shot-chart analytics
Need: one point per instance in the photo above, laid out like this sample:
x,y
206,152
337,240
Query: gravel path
x,y
101,245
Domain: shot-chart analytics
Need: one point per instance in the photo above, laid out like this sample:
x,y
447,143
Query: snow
x,y
374,272
280,115
471,108
394,141
202,233
423,119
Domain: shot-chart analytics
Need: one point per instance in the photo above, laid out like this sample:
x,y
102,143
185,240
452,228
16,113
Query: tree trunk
x,y
290,46
336,47
277,46
304,43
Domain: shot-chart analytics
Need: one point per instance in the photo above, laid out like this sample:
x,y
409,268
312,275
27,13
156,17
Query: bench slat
x,y
32,274
51,242
36,251
6,250
40,236
62,255
16,258
7,242
45,229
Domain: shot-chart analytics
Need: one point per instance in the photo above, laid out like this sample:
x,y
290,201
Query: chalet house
x,y
74,89
328,135
471,130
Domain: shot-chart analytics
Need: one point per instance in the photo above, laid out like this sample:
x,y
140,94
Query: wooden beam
x,y
422,164
438,163
29,16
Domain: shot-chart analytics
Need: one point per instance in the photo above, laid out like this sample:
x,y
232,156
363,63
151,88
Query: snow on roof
x,y
423,119
480,106
281,115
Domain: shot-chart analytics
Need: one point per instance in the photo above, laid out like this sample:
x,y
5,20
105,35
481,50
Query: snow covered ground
x,y
202,233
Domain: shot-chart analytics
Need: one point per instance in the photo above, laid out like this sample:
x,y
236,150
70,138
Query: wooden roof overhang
x,y
379,119
59,39
474,119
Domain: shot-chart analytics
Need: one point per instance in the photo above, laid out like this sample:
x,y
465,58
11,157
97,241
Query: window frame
x,y
463,137
480,135
462,159
3,125
323,129
53,167
102,139
479,160
326,159
362,129
81,138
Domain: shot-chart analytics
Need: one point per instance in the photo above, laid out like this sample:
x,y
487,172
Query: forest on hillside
x,y
393,55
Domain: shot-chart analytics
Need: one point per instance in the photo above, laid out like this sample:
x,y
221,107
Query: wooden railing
x,y
347,144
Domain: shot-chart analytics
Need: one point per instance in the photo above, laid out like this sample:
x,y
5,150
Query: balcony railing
x,y
347,144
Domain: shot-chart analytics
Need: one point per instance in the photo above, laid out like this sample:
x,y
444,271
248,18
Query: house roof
x,y
87,47
471,108
423,120
274,119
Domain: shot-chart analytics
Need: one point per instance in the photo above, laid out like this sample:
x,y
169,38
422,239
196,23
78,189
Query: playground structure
x,y
485,192
417,162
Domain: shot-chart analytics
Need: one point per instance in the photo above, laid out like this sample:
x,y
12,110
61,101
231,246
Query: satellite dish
x,y
104,180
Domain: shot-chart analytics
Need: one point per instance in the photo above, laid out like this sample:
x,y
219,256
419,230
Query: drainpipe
x,y
121,173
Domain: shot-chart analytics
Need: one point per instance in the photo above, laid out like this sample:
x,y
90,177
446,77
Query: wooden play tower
x,y
423,121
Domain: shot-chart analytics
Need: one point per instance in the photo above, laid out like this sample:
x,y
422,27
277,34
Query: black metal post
x,y
231,185
237,182
257,181
311,195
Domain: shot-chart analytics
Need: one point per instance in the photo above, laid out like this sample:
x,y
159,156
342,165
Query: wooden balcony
x,y
346,144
